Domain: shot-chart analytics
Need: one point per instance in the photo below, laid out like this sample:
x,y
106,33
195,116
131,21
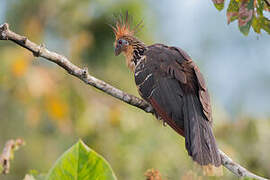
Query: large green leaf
x,y
81,163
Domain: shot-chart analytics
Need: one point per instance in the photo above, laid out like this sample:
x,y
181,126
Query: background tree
x,y
249,13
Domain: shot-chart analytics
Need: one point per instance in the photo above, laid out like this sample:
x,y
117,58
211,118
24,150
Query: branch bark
x,y
7,154
267,2
82,74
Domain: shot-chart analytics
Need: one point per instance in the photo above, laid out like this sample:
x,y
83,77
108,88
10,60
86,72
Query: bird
x,y
168,79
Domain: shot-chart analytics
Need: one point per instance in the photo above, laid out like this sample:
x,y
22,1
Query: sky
x,y
2,10
236,67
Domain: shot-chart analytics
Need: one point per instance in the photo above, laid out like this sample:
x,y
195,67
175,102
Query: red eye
x,y
120,42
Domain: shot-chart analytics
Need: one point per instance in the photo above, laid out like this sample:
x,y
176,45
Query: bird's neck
x,y
134,54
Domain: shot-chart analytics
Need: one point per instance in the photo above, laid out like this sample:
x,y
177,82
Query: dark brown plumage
x,y
167,78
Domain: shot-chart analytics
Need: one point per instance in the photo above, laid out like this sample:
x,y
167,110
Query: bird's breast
x,y
144,79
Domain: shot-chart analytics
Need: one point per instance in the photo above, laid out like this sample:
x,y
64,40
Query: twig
x,y
82,74
236,168
7,154
267,2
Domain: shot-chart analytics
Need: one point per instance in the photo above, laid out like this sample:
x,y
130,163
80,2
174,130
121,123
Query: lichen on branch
x,y
8,154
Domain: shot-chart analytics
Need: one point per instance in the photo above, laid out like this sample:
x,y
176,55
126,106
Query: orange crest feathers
x,y
123,26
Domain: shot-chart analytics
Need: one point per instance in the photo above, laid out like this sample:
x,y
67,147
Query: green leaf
x,y
245,16
259,7
232,11
81,163
265,24
256,25
219,4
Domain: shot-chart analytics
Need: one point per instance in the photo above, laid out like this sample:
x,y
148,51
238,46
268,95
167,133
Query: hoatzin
x,y
171,82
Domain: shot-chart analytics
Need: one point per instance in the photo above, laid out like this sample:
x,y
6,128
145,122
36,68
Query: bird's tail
x,y
199,138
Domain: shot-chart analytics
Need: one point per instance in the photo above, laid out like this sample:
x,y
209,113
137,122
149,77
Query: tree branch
x,y
82,74
268,4
7,154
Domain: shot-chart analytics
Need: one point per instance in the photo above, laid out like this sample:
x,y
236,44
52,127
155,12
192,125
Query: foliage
x,y
249,13
79,162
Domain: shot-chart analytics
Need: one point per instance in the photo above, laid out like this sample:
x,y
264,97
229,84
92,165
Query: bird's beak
x,y
117,50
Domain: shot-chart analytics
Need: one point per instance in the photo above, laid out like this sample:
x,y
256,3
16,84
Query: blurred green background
x,y
50,109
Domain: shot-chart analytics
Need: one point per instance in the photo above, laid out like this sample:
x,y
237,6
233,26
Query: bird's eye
x,y
120,42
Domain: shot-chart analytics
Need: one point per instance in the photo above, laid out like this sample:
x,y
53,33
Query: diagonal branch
x,y
267,2
82,74
7,154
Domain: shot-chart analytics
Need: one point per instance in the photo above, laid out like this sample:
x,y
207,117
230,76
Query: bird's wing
x,y
198,80
173,63
172,83
160,88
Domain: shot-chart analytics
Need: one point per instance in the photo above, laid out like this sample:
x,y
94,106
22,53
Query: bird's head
x,y
124,34
122,44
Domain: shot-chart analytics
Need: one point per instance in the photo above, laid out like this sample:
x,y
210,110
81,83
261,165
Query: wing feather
x,y
175,87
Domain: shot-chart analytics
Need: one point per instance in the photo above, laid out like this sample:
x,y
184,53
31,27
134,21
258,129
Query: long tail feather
x,y
200,141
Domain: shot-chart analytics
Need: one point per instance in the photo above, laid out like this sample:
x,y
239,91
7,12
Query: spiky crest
x,y
123,26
